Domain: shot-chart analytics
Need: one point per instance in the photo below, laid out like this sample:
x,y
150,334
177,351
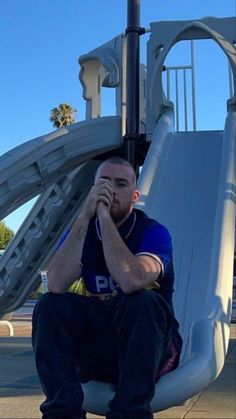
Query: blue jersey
x,y
143,236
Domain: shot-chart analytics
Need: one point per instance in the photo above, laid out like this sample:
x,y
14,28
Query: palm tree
x,y
63,115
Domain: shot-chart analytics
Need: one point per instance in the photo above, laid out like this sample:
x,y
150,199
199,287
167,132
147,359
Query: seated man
x,y
124,330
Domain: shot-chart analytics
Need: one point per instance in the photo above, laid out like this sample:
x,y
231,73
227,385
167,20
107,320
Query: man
x,y
125,331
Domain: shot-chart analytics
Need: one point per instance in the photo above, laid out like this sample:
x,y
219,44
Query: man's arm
x,y
130,272
65,266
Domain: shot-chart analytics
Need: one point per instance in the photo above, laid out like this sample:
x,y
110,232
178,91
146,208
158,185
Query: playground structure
x,y
187,183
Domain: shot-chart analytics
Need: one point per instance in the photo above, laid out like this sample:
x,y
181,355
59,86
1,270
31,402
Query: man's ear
x,y
136,196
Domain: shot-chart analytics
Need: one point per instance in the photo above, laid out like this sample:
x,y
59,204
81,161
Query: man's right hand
x,y
101,191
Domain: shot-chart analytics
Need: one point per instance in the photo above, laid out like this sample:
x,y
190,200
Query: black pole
x,y
133,32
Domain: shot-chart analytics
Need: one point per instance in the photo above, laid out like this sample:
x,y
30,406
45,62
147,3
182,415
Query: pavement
x,y
21,394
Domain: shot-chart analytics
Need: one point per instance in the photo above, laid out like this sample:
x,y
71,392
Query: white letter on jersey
x,y
101,283
104,282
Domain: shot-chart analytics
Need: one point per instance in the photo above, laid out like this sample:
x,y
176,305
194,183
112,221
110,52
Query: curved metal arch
x,y
100,67
157,102
107,59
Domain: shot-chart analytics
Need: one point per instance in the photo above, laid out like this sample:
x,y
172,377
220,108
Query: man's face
x,y
123,182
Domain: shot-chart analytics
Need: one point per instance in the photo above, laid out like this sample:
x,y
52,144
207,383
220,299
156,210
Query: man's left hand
x,y
102,210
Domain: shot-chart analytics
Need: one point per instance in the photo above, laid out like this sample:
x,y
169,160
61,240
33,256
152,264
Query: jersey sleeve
x,y
157,244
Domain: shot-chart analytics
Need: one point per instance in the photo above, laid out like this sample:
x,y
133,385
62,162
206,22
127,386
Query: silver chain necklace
x,y
127,235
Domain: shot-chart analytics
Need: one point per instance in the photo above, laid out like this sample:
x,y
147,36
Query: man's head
x,y
123,180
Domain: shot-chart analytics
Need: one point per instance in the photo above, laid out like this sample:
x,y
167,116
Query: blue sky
x,y
41,41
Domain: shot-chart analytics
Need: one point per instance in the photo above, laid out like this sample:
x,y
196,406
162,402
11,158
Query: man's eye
x,y
121,184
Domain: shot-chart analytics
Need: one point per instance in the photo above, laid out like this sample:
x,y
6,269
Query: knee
x,y
140,298
49,304
49,301
140,309
139,302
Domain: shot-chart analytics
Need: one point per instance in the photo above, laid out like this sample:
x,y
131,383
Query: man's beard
x,y
118,214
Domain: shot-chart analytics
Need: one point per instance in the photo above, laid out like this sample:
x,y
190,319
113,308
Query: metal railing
x,y
177,71
177,92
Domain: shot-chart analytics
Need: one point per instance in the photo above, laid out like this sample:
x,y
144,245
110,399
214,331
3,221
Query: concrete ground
x,y
21,394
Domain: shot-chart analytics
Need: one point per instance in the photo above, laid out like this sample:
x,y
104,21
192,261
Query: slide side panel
x,y
35,242
32,167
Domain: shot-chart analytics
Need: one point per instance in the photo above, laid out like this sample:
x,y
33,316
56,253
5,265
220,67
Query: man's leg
x,y
143,326
60,322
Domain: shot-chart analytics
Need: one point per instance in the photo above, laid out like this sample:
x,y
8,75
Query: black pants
x,y
124,339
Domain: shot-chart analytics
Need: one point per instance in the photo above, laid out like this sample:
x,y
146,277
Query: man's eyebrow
x,y
118,179
121,179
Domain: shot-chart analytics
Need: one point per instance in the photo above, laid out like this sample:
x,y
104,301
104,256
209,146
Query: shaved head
x,y
119,161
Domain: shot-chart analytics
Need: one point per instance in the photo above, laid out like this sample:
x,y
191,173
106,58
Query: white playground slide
x,y
188,184
33,166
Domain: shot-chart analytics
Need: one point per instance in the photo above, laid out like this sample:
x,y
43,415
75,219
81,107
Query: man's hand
x,y
101,192
102,210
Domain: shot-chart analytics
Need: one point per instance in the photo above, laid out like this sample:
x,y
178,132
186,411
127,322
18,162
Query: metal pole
x,y
168,83
185,102
132,80
177,99
230,80
193,87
